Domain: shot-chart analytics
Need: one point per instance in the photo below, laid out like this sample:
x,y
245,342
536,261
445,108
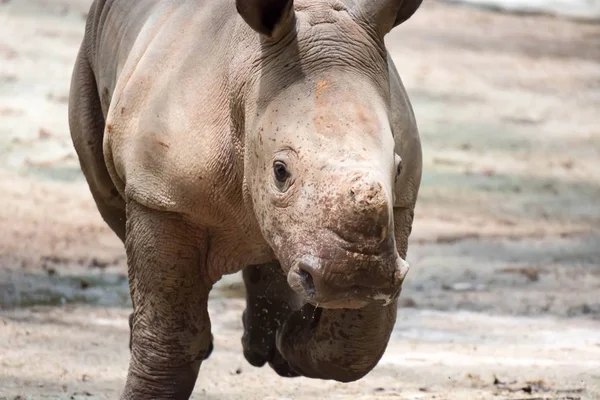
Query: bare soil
x,y
502,302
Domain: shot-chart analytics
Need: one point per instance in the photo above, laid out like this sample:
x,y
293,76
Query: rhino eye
x,y
281,172
399,169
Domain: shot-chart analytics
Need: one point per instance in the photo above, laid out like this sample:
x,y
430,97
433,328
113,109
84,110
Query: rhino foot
x,y
269,303
259,347
281,366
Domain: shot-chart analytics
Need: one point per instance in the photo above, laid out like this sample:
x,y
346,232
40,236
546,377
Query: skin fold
x,y
268,136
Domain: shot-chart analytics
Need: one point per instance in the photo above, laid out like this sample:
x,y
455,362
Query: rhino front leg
x,y
269,302
169,289
208,352
338,344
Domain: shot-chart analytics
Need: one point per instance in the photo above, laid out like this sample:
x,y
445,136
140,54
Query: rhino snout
x,y
346,286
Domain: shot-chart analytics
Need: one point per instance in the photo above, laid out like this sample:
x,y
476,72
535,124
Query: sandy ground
x,y
503,300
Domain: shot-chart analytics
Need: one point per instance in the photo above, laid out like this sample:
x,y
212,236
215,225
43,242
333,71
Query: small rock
x,y
550,188
86,394
533,274
498,381
63,99
463,287
96,263
568,164
44,133
407,302
488,172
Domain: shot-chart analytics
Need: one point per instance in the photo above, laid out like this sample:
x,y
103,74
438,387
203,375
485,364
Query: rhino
x,y
272,137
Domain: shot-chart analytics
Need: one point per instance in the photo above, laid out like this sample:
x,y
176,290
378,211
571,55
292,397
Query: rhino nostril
x,y
307,282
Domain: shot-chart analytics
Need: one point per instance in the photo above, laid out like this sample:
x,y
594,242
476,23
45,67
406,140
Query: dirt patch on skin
x,y
503,299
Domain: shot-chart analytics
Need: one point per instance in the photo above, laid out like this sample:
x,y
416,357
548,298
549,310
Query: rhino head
x,y
320,164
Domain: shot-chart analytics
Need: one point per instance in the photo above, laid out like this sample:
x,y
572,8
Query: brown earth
x,y
503,300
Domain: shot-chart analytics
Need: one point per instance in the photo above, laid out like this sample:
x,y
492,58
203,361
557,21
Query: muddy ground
x,y
502,302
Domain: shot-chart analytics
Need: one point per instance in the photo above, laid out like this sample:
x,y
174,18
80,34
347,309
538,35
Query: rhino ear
x,y
267,17
386,14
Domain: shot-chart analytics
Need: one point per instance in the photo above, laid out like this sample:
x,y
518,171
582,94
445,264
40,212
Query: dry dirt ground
x,y
503,301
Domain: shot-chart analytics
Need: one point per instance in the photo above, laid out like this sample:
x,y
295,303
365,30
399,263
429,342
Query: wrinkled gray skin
x,y
271,137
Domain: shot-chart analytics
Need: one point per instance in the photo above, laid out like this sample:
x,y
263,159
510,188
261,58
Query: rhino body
x,y
269,136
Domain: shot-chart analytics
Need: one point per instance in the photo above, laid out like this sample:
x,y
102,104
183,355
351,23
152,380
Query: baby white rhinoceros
x,y
269,136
